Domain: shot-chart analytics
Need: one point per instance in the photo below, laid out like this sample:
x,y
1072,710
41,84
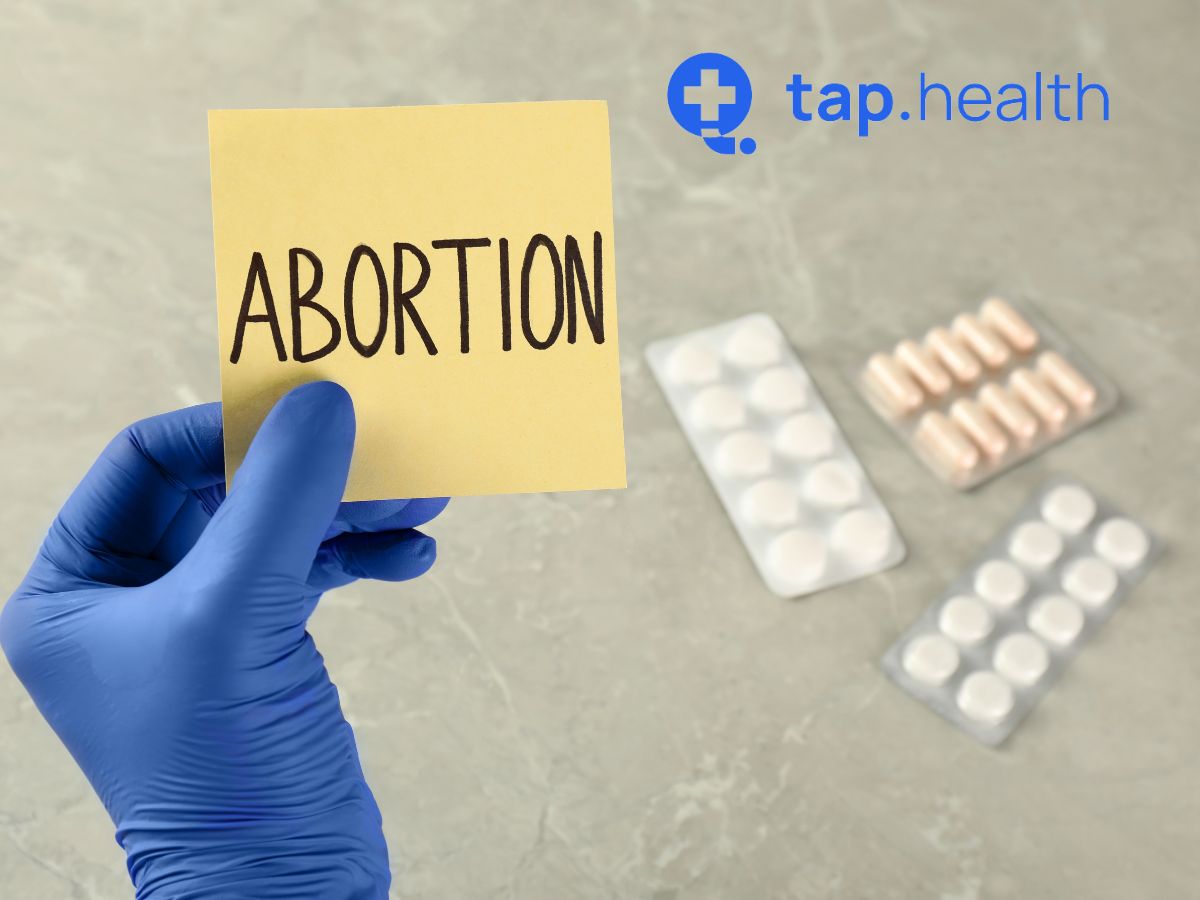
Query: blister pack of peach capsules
x,y
986,391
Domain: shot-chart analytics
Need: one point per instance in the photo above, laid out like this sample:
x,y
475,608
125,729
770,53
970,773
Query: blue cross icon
x,y
709,95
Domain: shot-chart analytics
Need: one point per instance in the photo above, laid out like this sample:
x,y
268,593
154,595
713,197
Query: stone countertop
x,y
606,702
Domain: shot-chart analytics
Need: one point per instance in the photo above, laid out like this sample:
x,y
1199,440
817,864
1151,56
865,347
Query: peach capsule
x,y
945,441
1009,412
1010,323
1067,379
895,386
1032,388
956,357
981,428
924,367
986,343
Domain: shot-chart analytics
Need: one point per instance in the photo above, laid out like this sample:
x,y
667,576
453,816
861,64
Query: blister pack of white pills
x,y
985,391
998,637
796,493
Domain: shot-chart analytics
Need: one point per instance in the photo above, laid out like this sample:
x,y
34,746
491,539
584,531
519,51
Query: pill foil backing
x,y
800,500
996,639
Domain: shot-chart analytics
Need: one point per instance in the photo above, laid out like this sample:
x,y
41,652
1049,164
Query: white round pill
x,y
833,483
863,535
1000,582
771,503
985,697
743,454
693,362
804,436
1035,544
1069,508
718,408
965,619
1122,542
798,556
753,345
930,659
1056,619
1091,581
1021,658
779,390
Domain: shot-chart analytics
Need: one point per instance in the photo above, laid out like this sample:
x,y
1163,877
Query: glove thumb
x,y
285,495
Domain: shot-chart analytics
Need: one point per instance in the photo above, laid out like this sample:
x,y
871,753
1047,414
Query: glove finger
x,y
360,512
134,490
383,555
286,492
356,516
386,515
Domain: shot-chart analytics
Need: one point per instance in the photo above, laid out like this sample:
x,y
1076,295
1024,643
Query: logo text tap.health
x,y
709,95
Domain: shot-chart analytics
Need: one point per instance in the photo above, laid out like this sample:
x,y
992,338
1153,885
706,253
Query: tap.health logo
x,y
709,95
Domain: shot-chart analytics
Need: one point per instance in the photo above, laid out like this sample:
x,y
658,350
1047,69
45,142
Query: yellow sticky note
x,y
451,266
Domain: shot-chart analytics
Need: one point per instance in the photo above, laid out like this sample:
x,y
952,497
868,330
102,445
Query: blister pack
x,y
986,391
998,637
797,494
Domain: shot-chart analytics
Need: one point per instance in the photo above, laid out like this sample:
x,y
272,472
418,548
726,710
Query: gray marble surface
x,y
593,695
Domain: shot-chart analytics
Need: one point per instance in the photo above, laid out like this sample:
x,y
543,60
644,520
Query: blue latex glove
x,y
161,632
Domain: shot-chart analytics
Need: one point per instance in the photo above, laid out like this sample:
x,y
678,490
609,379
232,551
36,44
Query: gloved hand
x,y
161,632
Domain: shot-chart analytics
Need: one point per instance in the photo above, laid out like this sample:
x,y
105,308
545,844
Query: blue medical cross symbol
x,y
710,95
